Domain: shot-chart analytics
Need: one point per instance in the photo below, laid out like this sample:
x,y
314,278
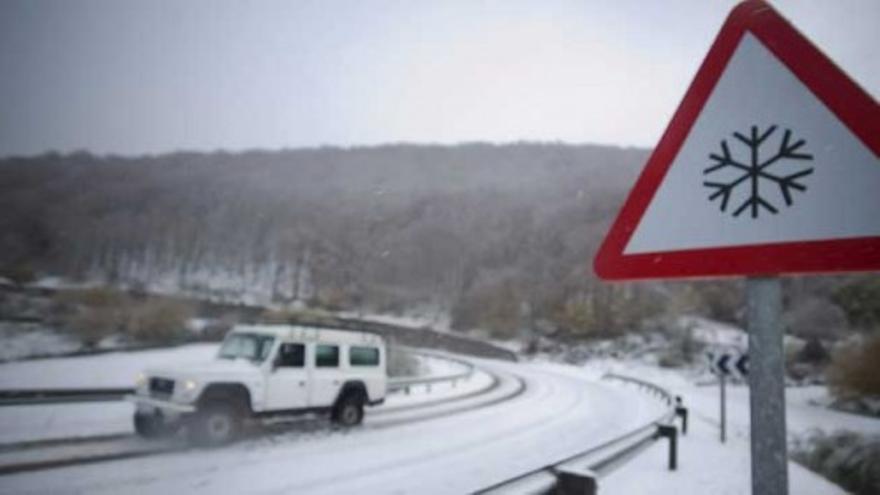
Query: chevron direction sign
x,y
729,364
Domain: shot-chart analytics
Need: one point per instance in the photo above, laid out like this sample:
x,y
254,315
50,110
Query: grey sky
x,y
153,76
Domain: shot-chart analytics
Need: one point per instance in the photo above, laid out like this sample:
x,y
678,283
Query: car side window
x,y
363,356
291,356
326,356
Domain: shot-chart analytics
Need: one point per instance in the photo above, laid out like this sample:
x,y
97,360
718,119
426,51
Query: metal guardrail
x,y
579,473
36,397
406,383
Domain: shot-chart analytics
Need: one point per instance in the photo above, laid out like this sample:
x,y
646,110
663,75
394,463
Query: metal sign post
x,y
766,387
722,365
775,115
722,379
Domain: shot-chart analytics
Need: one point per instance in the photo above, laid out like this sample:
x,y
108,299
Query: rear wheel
x,y
349,411
215,424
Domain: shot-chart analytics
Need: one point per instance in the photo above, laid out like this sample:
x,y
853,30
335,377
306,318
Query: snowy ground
x,y
563,410
560,412
706,465
21,424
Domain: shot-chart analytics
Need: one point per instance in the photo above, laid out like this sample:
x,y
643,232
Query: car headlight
x,y
188,389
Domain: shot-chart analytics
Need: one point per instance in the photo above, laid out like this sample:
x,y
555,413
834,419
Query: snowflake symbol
x,y
756,173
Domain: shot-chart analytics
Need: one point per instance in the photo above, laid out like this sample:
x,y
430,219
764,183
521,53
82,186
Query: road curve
x,y
482,389
481,441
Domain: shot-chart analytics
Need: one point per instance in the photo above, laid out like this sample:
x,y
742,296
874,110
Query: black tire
x,y
349,410
150,426
215,424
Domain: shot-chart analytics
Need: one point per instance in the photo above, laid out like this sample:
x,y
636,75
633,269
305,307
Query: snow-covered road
x,y
560,411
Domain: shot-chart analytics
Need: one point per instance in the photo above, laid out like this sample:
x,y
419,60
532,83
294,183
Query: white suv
x,y
263,371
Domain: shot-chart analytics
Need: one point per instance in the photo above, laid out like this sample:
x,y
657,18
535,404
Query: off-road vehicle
x,y
264,371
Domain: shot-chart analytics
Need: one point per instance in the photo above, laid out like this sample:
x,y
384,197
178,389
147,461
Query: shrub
x,y
333,299
860,300
216,330
815,319
160,321
275,317
806,362
305,316
855,369
683,348
91,325
93,314
94,297
846,458
20,273
493,307
578,317
813,352
670,359
720,300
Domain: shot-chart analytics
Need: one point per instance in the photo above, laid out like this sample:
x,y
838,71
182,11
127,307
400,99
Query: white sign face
x,y
765,162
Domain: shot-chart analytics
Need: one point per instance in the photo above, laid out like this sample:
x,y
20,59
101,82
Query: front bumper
x,y
151,402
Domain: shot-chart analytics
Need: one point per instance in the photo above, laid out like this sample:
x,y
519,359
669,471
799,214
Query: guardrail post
x,y
406,390
428,387
682,413
575,482
670,432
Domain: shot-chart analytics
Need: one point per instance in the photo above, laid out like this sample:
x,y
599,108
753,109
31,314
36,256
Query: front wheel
x,y
349,411
215,424
150,426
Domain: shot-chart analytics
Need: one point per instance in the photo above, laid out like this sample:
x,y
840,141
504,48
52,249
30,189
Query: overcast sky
x,y
153,76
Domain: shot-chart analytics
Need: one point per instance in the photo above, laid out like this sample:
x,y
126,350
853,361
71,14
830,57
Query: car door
x,y
287,385
327,374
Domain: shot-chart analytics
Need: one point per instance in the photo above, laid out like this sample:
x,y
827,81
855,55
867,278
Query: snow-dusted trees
x,y
388,226
478,230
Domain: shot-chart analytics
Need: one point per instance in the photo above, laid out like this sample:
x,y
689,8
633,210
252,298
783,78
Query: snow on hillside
x,y
723,335
20,340
715,333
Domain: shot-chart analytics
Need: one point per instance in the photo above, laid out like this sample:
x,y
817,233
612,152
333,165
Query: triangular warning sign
x,y
770,165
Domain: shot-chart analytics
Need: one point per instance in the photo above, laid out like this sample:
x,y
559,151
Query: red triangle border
x,y
851,104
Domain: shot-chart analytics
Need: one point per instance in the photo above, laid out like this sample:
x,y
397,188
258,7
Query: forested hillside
x,y
382,227
487,233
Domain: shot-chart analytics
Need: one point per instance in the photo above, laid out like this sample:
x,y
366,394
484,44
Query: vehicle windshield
x,y
248,346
